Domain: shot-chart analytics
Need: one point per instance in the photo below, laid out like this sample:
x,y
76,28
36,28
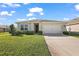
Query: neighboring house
x,y
73,25
3,28
46,26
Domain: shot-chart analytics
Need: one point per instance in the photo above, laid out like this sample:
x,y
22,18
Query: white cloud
x,y
30,14
41,13
15,5
32,18
26,3
36,9
3,5
5,13
66,19
11,5
13,12
77,7
21,19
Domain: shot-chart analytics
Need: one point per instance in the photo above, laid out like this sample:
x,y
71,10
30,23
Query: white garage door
x,y
50,28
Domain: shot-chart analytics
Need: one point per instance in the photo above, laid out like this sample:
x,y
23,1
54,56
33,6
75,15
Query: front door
x,y
36,27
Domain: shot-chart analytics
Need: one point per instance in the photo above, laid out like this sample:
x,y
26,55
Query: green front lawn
x,y
25,45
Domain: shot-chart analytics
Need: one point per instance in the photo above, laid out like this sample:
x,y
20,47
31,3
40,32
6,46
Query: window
x,y
22,27
26,27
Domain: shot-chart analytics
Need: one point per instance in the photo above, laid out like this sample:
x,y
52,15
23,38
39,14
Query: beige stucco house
x,y
3,28
46,26
73,25
49,26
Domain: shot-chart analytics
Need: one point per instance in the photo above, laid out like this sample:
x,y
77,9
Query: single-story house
x,y
46,26
73,25
3,28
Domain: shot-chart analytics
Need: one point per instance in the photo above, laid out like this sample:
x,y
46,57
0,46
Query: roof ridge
x,y
41,20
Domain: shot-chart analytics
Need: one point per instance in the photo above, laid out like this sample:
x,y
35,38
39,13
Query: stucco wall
x,y
41,24
19,25
73,28
31,26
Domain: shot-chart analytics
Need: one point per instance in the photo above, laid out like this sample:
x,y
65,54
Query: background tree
x,y
12,29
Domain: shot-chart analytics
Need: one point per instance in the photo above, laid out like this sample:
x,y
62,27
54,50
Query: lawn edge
x,y
47,47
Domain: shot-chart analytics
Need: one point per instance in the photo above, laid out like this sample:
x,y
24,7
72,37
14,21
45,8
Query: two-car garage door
x,y
51,28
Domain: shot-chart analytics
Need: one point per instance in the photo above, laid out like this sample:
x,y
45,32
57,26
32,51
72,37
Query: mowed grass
x,y
26,45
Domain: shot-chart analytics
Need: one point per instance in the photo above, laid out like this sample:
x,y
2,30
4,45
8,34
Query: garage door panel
x,y
50,28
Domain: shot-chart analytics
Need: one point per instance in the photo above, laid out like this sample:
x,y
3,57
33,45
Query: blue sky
x,y
11,13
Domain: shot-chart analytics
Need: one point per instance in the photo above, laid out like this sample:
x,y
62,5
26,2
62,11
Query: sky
x,y
11,13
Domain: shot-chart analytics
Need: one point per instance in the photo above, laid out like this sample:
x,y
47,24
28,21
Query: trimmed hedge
x,y
17,33
71,33
74,34
40,32
66,33
29,33
32,32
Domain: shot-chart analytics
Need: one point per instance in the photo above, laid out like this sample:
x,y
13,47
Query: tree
x,y
12,29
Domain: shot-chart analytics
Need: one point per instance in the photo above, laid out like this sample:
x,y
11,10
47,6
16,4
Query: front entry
x,y
36,27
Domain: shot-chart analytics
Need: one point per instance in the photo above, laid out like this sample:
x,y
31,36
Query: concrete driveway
x,y
63,45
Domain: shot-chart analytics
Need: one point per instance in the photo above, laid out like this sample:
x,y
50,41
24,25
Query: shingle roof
x,y
42,20
73,21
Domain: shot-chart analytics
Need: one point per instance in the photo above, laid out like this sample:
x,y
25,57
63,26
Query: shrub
x,y
17,33
74,34
24,32
40,33
30,32
66,33
12,28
